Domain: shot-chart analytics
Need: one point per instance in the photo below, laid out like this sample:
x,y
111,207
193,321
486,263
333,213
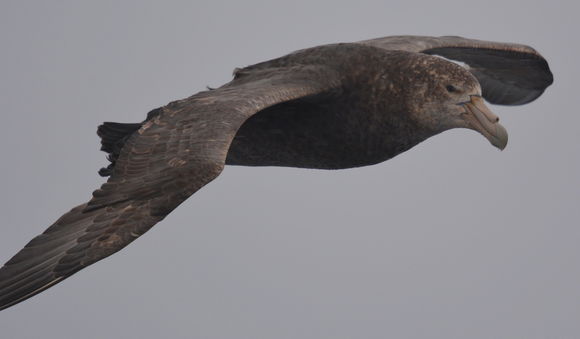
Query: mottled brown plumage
x,y
334,106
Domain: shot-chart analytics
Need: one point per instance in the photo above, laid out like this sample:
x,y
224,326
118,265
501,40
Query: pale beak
x,y
485,122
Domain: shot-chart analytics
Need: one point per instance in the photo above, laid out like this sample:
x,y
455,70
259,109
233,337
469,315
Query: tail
x,y
113,137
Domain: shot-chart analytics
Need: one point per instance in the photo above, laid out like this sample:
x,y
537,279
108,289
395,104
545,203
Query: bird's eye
x,y
451,88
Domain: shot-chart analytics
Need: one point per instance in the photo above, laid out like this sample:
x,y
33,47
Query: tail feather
x,y
113,137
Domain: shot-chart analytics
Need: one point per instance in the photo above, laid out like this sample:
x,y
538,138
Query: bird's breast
x,y
325,136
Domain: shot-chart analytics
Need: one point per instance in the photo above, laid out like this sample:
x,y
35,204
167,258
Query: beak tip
x,y
500,140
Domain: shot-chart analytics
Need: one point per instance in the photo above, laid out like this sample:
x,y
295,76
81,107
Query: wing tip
x,y
13,301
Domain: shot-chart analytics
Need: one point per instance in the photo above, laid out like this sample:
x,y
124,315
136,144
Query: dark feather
x,y
178,149
324,107
509,74
113,137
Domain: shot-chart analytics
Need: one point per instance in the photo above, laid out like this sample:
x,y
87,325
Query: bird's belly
x,y
303,135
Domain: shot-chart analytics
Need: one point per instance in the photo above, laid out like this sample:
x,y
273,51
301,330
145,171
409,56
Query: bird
x,y
333,106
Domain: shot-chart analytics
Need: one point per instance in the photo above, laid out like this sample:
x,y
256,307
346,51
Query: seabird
x,y
327,107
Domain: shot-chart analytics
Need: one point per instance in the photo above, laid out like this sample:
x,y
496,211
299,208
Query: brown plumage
x,y
329,107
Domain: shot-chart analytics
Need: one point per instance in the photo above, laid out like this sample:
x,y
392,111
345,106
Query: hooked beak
x,y
483,120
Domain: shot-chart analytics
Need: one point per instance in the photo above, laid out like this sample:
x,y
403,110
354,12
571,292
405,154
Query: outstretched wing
x,y
172,155
509,74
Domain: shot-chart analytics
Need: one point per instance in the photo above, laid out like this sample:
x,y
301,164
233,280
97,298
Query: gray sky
x,y
452,239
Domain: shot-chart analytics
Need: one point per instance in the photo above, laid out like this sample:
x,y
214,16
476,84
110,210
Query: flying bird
x,y
326,107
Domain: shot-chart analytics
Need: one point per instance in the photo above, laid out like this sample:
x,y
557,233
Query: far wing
x,y
509,74
176,152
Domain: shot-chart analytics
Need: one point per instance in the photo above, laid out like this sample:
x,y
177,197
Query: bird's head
x,y
449,96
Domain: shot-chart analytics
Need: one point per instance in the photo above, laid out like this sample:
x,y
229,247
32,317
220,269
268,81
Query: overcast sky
x,y
452,239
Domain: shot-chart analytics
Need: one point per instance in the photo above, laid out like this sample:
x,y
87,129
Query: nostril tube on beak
x,y
489,115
